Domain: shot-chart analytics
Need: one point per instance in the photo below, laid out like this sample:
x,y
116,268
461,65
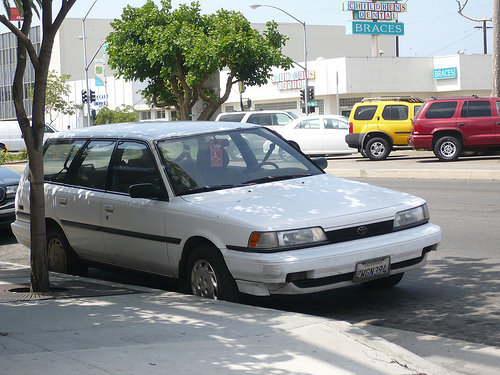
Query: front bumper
x,y
329,266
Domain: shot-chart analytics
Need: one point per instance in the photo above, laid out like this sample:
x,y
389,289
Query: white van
x,y
11,137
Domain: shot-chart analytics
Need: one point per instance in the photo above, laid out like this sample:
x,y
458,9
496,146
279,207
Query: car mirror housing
x,y
147,191
320,162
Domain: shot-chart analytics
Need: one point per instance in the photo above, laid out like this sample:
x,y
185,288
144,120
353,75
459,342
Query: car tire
x,y
209,277
61,257
285,156
234,153
448,148
384,283
377,149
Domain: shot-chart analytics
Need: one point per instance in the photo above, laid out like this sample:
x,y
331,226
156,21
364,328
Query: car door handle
x,y
108,208
461,124
498,123
62,201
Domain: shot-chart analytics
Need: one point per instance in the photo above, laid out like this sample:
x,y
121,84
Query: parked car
x,y
168,200
448,126
9,181
379,125
264,118
317,135
11,137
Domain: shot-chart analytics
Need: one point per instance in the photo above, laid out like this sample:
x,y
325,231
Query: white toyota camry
x,y
166,198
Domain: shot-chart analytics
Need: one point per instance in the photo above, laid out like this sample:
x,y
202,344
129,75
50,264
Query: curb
x,y
425,174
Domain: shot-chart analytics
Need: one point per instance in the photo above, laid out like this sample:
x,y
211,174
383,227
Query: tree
x,y
33,131
178,51
496,40
57,89
109,116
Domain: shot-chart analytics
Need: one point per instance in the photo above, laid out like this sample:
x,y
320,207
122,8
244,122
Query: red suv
x,y
449,126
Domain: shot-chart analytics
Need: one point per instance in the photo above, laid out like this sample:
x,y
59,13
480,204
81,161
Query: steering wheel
x,y
260,165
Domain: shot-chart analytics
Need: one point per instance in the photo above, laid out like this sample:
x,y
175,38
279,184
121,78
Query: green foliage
x,y
123,114
178,51
6,156
57,89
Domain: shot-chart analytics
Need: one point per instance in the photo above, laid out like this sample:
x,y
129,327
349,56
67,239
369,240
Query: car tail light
x,y
350,127
415,129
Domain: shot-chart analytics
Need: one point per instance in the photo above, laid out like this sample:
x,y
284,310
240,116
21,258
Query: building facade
x,y
340,70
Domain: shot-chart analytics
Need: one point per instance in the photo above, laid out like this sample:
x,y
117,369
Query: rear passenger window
x,y
259,119
232,117
58,157
365,112
309,124
395,112
91,166
476,108
441,110
280,119
133,164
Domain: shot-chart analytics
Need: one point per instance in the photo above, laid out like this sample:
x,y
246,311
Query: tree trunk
x,y
496,48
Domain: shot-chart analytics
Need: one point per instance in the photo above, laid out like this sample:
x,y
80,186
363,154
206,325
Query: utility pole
x,y
485,44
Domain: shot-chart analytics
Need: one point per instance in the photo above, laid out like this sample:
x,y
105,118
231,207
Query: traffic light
x,y
92,96
310,93
84,96
303,95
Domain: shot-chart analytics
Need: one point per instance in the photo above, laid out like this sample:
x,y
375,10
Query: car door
x,y
334,132
77,203
134,228
476,123
308,134
395,121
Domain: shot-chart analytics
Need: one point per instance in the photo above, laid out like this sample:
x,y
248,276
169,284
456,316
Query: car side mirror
x,y
320,162
147,191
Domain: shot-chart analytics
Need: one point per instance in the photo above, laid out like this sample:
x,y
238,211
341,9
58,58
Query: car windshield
x,y
232,158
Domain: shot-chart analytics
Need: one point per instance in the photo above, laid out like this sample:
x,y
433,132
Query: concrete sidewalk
x,y
90,327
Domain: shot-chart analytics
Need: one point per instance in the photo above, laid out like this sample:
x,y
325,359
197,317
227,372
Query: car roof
x,y
151,130
472,97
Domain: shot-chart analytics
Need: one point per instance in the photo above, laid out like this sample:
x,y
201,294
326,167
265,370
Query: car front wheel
x,y
61,256
377,149
209,276
448,148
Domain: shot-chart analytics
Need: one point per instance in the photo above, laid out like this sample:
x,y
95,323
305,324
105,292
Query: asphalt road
x,y
456,295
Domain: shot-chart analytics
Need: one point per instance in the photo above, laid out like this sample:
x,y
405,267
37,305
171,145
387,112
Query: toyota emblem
x,y
362,230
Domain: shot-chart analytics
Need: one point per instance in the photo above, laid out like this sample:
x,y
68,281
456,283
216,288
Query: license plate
x,y
372,269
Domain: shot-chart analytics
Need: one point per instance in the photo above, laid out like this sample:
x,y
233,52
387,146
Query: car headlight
x,y
412,217
287,238
10,191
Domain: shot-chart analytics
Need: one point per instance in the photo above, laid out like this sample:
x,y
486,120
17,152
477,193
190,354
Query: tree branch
x,y
462,7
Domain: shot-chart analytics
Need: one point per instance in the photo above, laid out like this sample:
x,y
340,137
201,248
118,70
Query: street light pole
x,y
86,66
306,99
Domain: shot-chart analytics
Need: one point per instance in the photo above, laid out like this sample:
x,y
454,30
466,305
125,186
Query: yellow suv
x,y
377,125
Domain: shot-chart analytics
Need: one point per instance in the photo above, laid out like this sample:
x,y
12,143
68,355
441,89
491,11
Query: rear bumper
x,y
354,140
420,141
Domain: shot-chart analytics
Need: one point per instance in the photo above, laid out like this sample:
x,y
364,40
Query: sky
x,y
432,27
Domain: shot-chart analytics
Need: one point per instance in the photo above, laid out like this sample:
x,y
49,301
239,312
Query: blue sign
x,y
375,28
445,73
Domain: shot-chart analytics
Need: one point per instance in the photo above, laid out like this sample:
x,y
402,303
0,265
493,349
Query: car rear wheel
x,y
384,283
61,256
448,148
377,149
209,276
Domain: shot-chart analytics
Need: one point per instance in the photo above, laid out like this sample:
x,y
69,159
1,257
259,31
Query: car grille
x,y
361,231
2,194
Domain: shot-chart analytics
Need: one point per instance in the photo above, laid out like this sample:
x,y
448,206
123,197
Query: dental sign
x,y
374,17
